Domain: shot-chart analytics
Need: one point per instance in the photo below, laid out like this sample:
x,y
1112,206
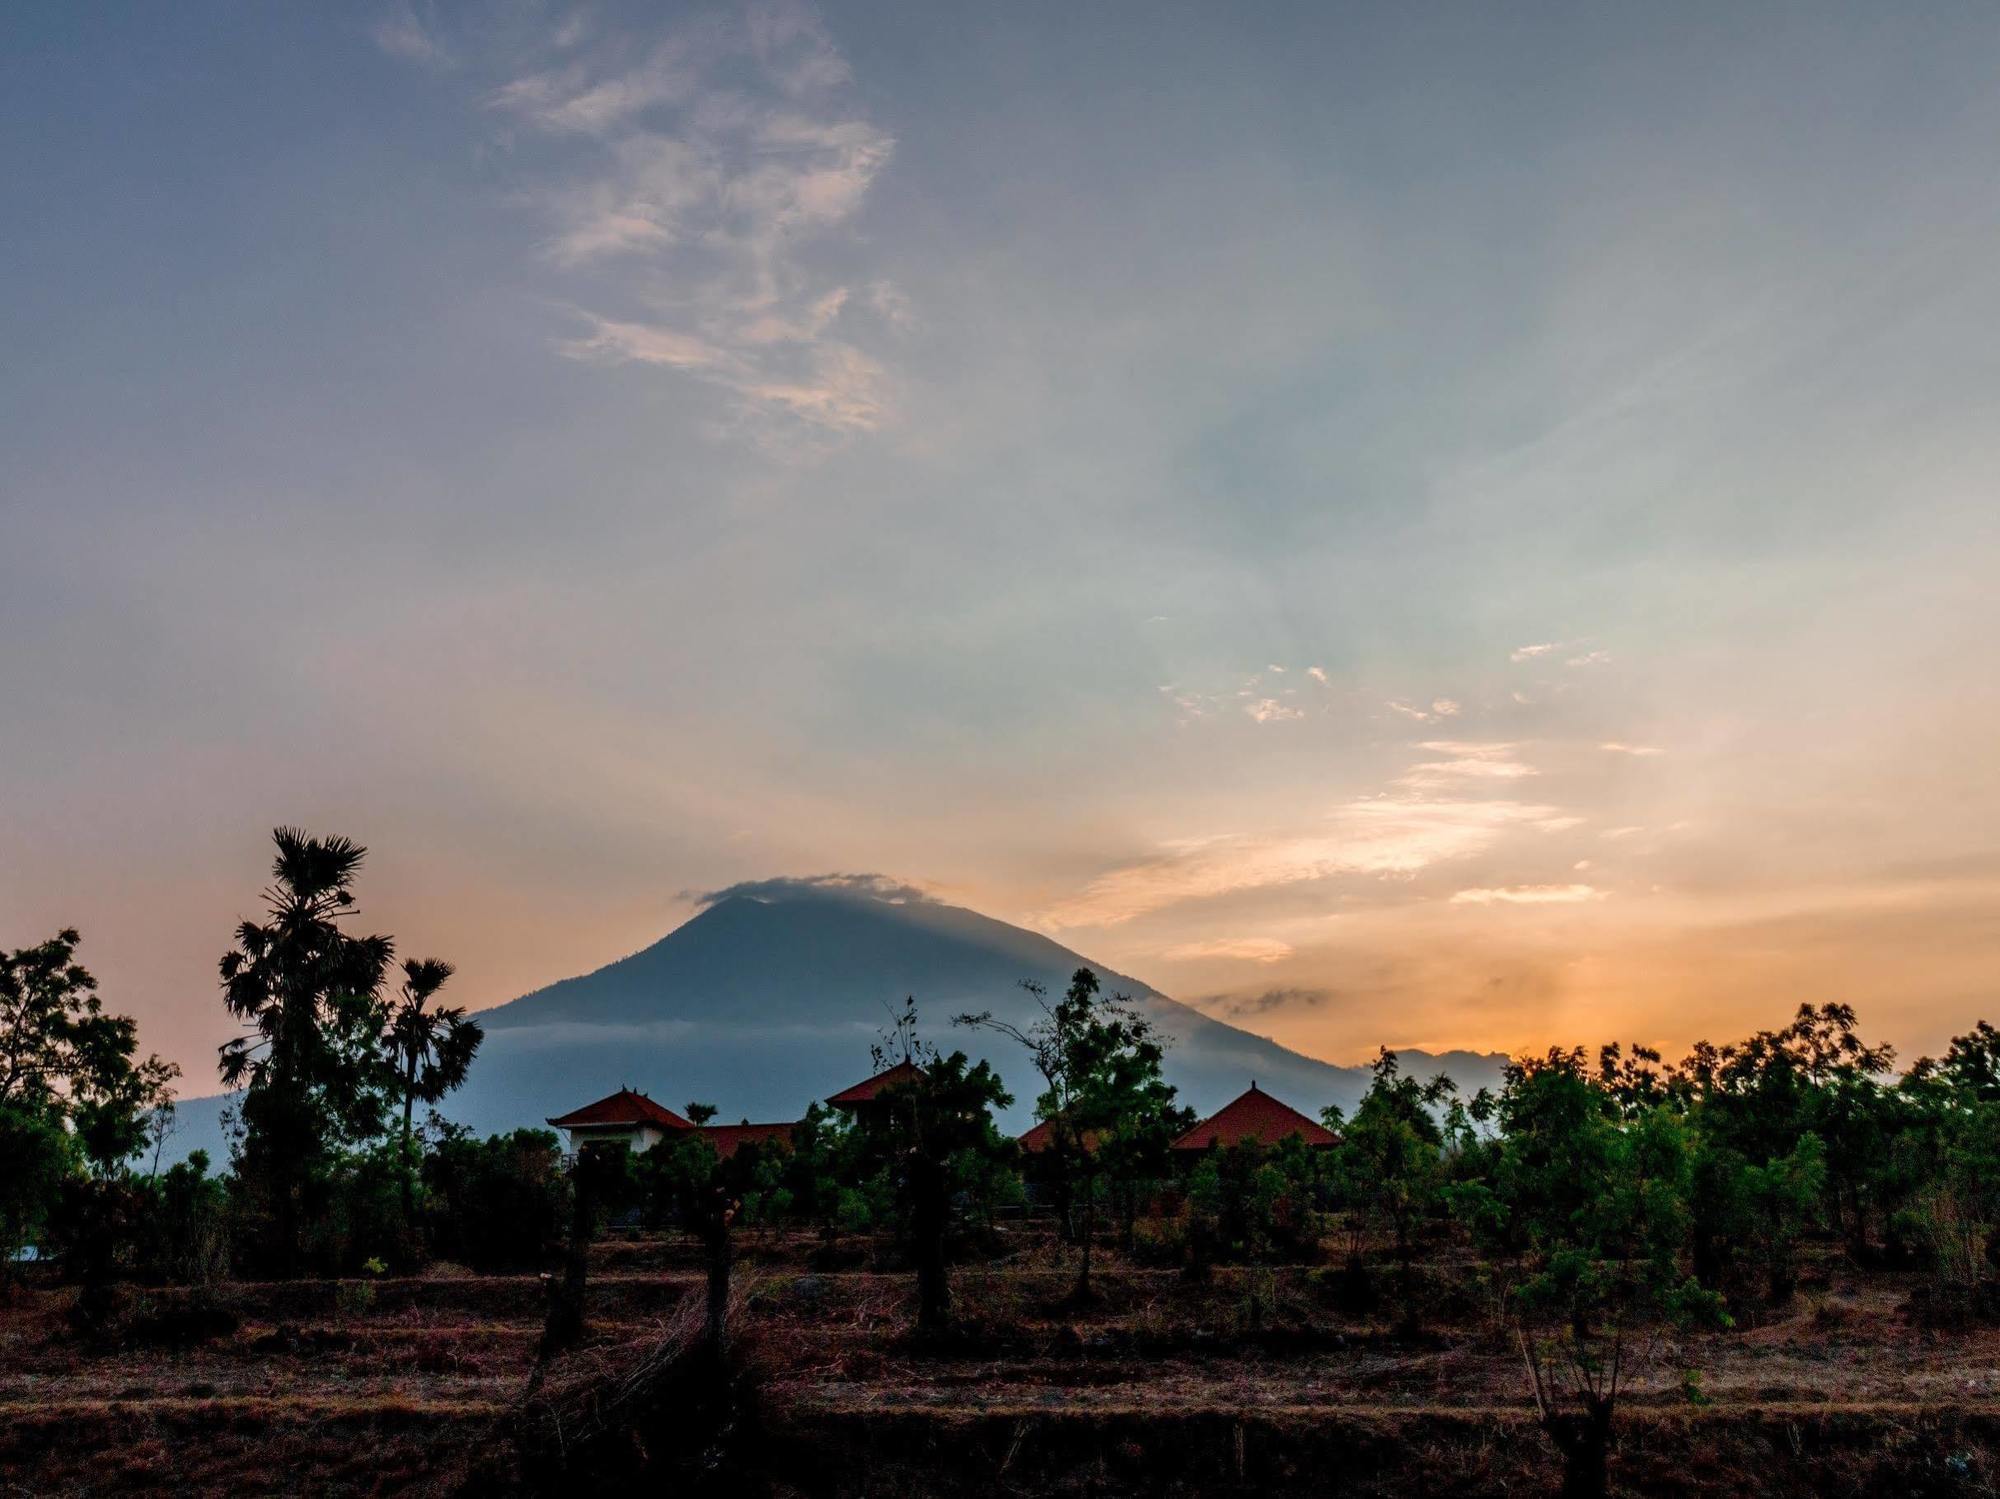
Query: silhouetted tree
x,y
310,995
933,1133
1104,1099
73,1092
1390,1163
431,1050
594,1178
1601,1205
1816,1076
498,1203
688,1183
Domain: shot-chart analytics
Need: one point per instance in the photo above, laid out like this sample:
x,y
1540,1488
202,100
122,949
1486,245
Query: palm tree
x,y
309,995
431,1050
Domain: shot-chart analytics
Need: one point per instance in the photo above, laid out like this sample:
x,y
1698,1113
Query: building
x,y
864,1099
1043,1137
632,1121
625,1119
1255,1115
730,1138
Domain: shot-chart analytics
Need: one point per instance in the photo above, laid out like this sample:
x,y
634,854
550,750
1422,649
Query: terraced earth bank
x,y
1252,1381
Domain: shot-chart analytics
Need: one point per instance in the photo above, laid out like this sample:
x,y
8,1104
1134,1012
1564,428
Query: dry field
x,y
1252,1382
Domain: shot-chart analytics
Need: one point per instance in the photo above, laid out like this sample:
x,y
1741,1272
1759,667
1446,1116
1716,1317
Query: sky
x,y
1418,525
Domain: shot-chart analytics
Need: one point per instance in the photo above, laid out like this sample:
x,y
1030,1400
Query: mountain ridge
x,y
762,1002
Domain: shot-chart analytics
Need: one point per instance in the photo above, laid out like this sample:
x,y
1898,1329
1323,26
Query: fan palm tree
x,y
431,1050
309,996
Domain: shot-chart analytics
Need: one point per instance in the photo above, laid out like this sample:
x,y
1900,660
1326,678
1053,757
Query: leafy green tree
x,y
1782,1198
1972,1064
116,1099
931,1135
598,1176
817,1173
1815,1076
112,1100
1718,1209
311,1060
185,1238
61,1052
497,1203
1390,1163
1954,1205
40,1157
1602,1207
1109,1110
1234,1198
431,1051
73,1093
46,997
686,1183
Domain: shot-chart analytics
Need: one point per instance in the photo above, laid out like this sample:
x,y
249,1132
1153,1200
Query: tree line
x,y
1606,1199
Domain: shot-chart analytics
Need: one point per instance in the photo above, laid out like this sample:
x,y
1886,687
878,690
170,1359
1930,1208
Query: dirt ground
x,y
1253,1381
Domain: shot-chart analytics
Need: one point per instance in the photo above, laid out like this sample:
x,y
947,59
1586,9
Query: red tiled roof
x,y
1043,1137
622,1107
730,1138
866,1092
1258,1116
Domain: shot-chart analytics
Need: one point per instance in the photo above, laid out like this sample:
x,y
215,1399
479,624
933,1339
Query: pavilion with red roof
x,y
633,1121
1255,1115
623,1118
870,1089
1043,1137
730,1138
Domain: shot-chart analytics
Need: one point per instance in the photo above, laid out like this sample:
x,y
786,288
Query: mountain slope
x,y
763,1003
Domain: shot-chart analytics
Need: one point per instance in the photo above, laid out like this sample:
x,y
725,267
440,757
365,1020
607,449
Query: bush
x,y
1953,1240
1244,1206
1349,1289
184,1232
499,1203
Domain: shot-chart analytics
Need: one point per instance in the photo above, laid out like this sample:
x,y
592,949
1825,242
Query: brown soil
x,y
1249,1382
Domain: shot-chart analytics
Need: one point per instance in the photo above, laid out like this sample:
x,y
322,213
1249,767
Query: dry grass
x,y
1252,1378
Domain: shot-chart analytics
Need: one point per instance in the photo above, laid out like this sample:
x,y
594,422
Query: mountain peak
x,y
771,995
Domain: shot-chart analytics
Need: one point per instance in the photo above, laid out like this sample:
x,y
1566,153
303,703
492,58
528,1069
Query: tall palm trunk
x,y
1086,1232
720,1254
1584,1440
929,1213
564,1326
409,1172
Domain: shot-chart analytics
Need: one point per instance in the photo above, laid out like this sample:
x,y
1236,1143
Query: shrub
x,y
498,1203
1954,1243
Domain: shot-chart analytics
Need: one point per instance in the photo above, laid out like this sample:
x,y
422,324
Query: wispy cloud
x,y
1589,658
644,343
1270,710
1188,706
1391,835
1266,1002
702,169
1613,746
1442,707
1247,949
865,887
1528,895
1530,652
1469,762
403,35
